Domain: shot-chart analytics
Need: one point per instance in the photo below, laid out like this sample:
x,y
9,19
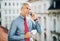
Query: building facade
x,y
10,9
41,9
50,20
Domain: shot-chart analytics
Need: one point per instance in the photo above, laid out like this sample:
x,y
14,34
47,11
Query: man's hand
x,y
27,35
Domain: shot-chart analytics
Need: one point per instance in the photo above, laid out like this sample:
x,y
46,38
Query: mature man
x,y
20,29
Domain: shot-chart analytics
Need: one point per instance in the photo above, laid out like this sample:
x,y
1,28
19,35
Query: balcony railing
x,y
54,32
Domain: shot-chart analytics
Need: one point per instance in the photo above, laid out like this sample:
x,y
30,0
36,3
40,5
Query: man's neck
x,y
23,15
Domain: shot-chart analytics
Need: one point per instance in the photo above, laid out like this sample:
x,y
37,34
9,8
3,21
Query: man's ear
x,y
21,8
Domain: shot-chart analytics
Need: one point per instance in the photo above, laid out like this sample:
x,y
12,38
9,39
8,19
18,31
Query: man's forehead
x,y
27,6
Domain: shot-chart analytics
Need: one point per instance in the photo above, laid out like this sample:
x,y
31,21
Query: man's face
x,y
26,9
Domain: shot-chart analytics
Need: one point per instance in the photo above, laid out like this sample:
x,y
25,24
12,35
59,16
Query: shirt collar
x,y
22,16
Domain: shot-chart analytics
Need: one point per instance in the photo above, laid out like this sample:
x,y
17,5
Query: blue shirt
x,y
17,31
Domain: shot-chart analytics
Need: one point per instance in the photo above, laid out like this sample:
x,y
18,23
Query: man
x,y
20,29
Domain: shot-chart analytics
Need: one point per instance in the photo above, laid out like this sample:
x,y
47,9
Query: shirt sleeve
x,y
36,25
12,31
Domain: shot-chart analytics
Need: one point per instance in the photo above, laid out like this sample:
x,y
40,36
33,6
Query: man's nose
x,y
29,10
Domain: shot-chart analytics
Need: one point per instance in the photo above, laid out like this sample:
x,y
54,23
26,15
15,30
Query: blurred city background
x,y
47,10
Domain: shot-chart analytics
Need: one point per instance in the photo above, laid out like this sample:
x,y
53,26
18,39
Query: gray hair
x,y
25,3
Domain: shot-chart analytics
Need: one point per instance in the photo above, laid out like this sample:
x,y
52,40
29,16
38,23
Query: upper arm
x,y
36,25
13,28
33,25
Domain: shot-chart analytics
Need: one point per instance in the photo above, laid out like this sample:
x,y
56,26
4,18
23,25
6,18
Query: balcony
x,y
54,32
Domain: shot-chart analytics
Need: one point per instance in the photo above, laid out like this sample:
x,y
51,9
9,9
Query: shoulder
x,y
15,20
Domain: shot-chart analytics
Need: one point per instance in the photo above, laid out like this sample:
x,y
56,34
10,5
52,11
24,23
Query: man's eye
x,y
28,8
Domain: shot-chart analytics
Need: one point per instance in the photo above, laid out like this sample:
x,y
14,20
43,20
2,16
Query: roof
x,y
55,5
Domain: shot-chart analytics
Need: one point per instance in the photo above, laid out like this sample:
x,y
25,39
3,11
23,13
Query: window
x,y
0,22
0,18
45,36
0,5
0,14
9,4
5,11
13,4
17,11
5,19
9,11
45,23
9,18
54,38
5,3
54,4
45,28
13,11
17,4
13,17
54,24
